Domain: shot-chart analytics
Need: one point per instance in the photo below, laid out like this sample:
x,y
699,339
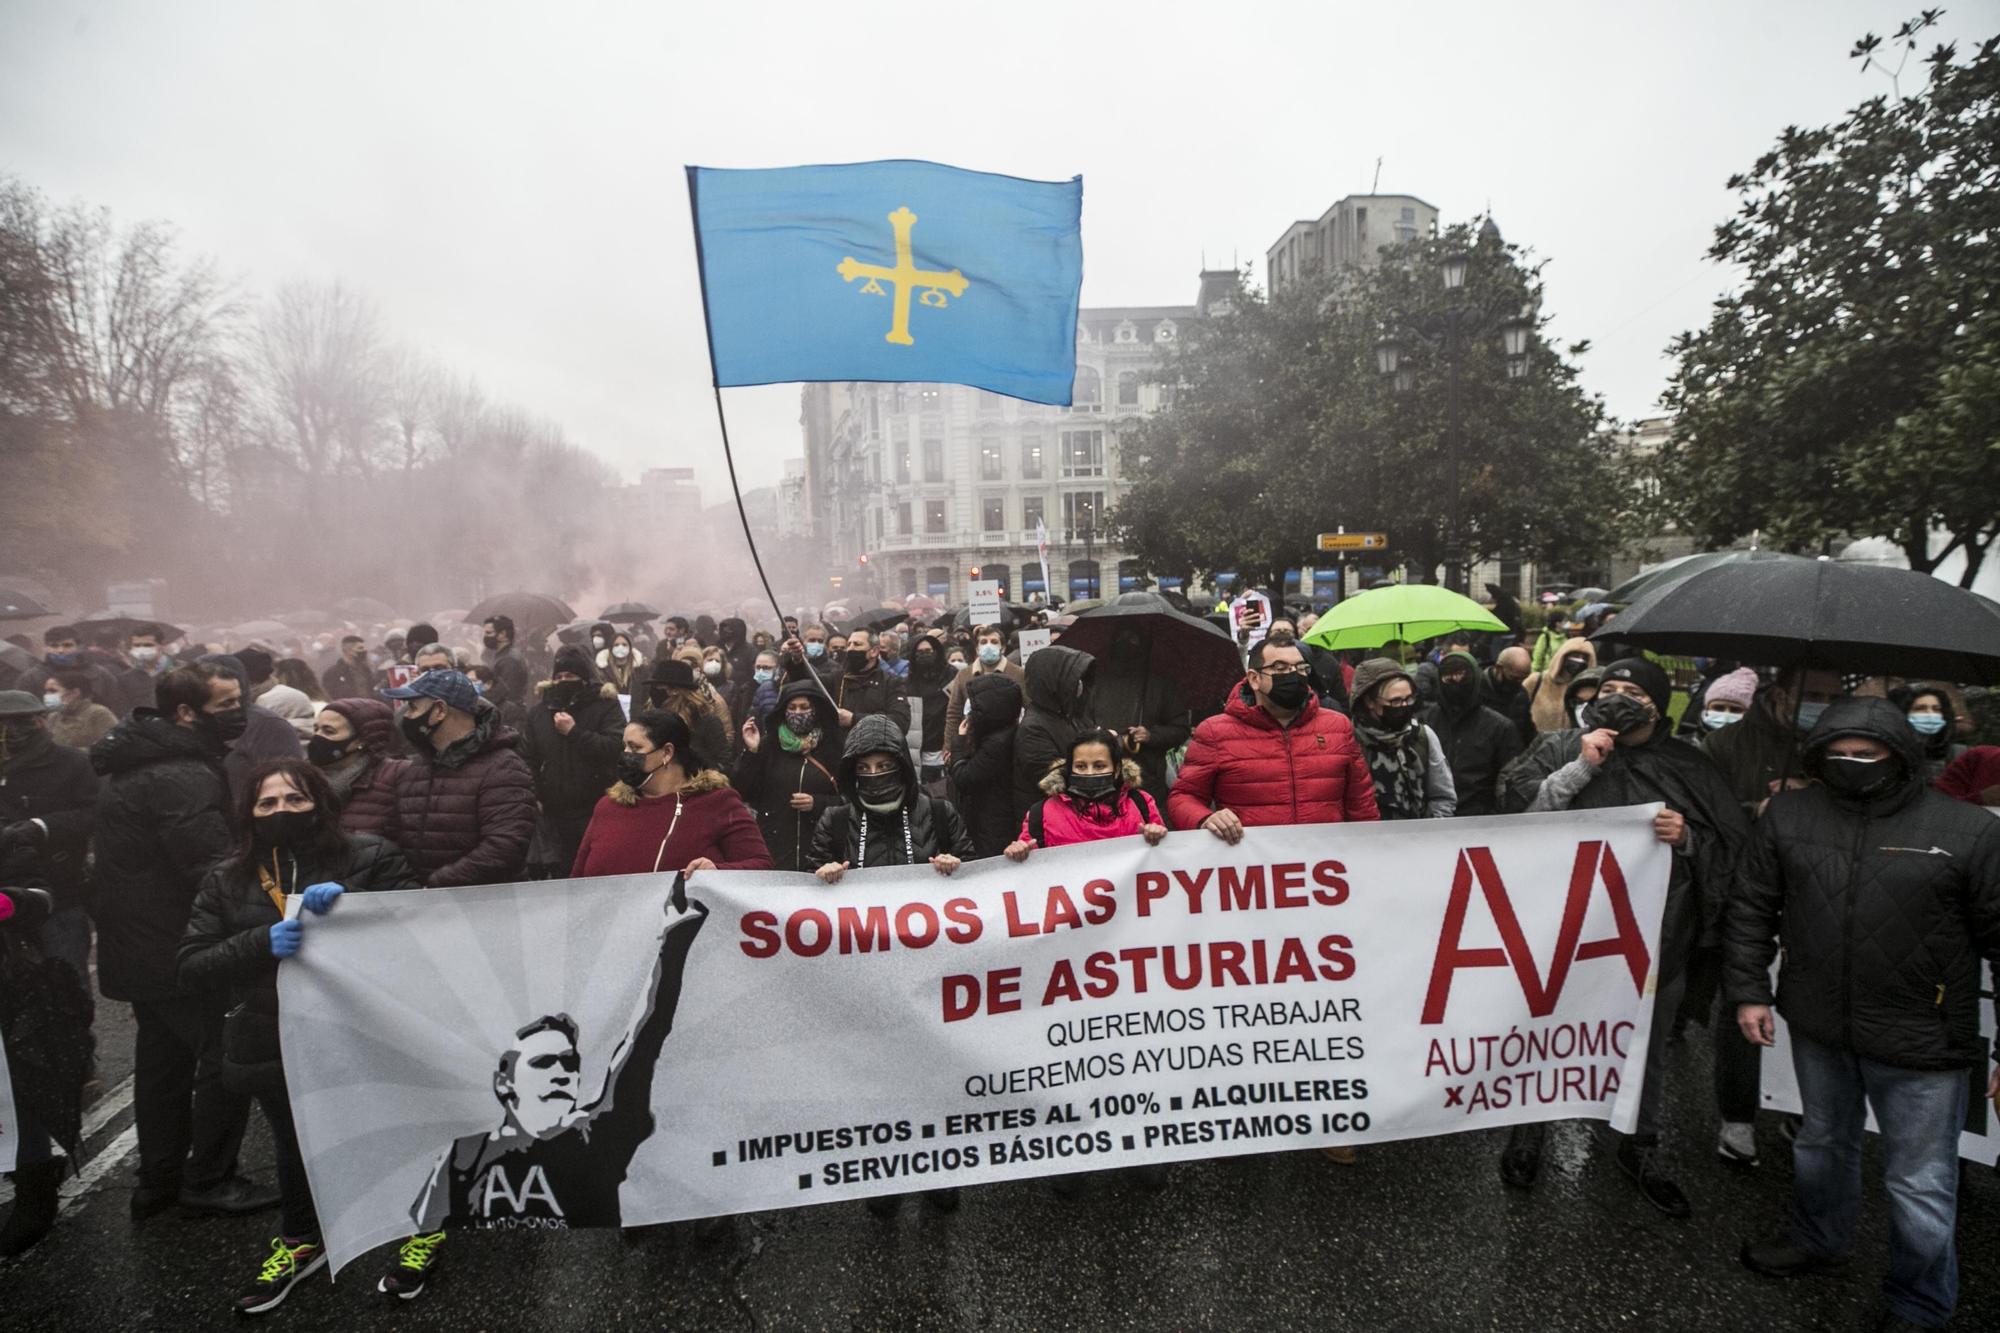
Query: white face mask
x,y
1716,719
597,642
622,651
145,656
53,699
711,668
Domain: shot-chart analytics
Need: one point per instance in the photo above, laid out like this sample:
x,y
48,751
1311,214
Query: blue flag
x,y
896,271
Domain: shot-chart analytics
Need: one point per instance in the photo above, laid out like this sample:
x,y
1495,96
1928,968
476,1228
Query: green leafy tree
x,y
1847,386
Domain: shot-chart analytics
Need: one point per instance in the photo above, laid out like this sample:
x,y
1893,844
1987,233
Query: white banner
x,y
10,1130
579,1053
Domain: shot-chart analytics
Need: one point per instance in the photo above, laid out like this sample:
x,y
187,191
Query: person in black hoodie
x,y
982,762
1477,741
928,679
1884,896
1055,685
571,739
786,772
161,824
733,637
289,842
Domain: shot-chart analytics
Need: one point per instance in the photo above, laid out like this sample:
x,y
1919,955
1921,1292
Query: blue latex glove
x,y
319,897
286,937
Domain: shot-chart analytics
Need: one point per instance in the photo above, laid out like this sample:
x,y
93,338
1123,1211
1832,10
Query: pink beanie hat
x,y
1738,687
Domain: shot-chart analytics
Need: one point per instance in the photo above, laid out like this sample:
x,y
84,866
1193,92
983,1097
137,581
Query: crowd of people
x,y
160,800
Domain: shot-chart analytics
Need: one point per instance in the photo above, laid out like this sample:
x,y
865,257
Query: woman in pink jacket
x,y
1092,794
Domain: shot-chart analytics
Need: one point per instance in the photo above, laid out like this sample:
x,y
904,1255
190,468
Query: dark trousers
x,y
190,1125
295,1202
1739,1068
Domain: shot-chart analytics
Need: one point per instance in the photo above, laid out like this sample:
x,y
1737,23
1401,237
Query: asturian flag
x,y
892,271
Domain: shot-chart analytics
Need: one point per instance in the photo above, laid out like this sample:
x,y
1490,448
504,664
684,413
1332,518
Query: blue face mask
x,y
1809,716
765,675
815,649
1927,724
1716,719
989,654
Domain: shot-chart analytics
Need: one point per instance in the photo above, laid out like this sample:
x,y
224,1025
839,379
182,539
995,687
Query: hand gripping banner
x,y
594,1053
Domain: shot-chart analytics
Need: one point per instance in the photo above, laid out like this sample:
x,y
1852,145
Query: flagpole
x,y
722,421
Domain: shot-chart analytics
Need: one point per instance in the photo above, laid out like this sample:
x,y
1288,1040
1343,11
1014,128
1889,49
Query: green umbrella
x,y
1407,613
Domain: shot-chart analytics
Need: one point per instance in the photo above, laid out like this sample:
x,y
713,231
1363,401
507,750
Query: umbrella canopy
x,y
1589,609
17,605
1587,594
367,608
1788,610
1404,613
104,627
529,610
629,613
271,630
1672,571
917,604
1198,656
875,621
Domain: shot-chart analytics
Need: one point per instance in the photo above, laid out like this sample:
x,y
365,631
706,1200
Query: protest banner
x,y
586,1052
983,606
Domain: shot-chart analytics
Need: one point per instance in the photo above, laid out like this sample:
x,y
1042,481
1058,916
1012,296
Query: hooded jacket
x,y
1053,686
1594,679
769,776
982,764
1885,907
572,771
370,800
160,826
924,827
228,942
1546,688
1477,743
1060,821
466,814
56,785
1755,753
1309,772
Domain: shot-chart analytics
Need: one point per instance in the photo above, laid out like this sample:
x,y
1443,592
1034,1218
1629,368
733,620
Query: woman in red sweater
x,y
669,810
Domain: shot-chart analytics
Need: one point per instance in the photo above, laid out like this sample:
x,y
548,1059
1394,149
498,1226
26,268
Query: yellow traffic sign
x,y
1354,541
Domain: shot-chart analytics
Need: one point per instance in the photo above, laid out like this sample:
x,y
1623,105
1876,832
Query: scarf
x,y
1399,762
793,744
348,770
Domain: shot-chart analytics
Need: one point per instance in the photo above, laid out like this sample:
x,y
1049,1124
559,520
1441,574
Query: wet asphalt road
x,y
1417,1235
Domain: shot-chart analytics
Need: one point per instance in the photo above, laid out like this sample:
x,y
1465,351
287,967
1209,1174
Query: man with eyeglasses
x,y
1274,755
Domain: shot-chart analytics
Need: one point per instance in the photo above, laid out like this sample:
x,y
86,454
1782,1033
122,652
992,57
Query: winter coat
x,y
1509,701
83,726
769,776
348,680
160,826
45,1015
924,827
1884,908
1309,772
1122,699
1054,686
954,694
1477,743
571,772
1755,753
876,691
1545,688
56,785
1059,821
510,679
1967,777
634,835
466,815
982,765
370,805
228,941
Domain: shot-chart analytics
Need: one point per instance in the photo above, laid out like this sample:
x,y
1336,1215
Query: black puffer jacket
x,y
924,827
228,940
1884,907
160,826
1054,683
55,784
572,771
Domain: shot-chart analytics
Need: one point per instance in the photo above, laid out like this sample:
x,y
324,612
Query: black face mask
x,y
801,724
632,770
1290,692
284,829
417,731
225,727
1619,712
320,751
1574,663
1097,788
857,660
1458,693
567,695
491,641
1397,716
1859,777
881,789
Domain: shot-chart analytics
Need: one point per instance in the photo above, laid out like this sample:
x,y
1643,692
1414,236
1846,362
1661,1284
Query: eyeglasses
x,y
1285,669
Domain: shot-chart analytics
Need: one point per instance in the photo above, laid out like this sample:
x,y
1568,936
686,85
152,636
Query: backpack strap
x,y
1035,823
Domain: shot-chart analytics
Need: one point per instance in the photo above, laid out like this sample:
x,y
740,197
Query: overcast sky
x,y
505,180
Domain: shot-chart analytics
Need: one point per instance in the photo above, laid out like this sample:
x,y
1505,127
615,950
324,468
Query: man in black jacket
x,y
47,795
1885,897
1502,690
572,738
868,688
160,827
1477,741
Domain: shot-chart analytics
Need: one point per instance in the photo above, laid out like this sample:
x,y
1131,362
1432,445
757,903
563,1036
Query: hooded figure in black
x,y
1478,742
571,737
885,818
982,762
1055,683
1625,756
733,636
788,774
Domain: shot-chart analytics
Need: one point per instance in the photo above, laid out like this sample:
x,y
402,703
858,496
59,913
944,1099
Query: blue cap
x,y
454,687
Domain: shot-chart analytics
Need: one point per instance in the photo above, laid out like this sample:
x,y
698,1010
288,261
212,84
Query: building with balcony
x,y
919,488
1349,234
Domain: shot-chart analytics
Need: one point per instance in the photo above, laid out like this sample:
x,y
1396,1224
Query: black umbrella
x,y
876,621
529,610
17,605
629,613
1195,654
1673,571
1787,610
1507,608
103,627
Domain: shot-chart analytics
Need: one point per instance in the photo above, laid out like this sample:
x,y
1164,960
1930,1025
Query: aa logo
x,y
1595,865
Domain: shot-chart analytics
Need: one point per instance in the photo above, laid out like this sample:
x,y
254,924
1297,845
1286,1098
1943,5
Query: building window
x,y
937,580
993,514
991,461
900,448
1128,575
1031,514
1031,579
908,578
1083,579
1031,460
1081,510
999,574
1409,215
933,458
1088,395
1128,388
1083,453
903,520
933,516
898,398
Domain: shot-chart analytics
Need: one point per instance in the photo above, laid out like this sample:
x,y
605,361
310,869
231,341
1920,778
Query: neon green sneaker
x,y
414,1260
281,1272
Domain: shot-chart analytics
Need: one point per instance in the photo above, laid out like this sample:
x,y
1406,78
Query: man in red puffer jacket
x,y
1273,756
